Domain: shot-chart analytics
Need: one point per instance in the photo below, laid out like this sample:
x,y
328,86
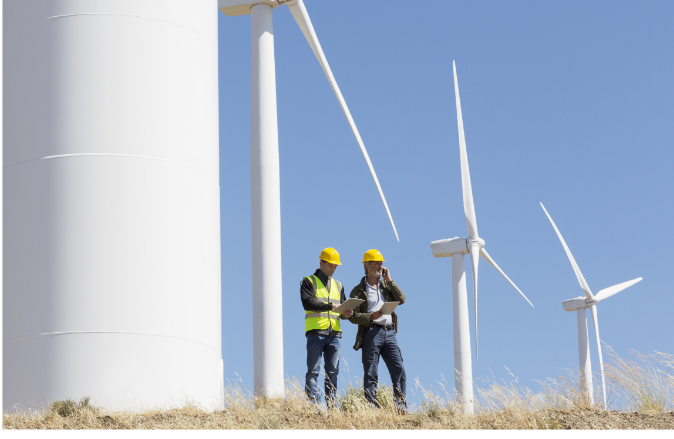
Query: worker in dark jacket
x,y
321,294
376,331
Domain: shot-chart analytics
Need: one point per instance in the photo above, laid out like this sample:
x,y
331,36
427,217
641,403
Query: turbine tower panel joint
x,y
242,7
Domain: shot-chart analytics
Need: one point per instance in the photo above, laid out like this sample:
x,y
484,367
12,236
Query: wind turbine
x,y
456,248
265,182
580,304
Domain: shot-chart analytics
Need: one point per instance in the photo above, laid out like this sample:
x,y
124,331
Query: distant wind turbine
x,y
265,182
580,304
456,248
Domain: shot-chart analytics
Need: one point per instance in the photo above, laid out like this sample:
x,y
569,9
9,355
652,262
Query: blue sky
x,y
569,103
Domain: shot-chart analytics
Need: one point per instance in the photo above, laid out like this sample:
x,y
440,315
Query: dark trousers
x,y
378,341
328,348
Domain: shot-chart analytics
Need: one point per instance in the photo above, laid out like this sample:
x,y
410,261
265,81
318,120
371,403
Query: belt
x,y
386,327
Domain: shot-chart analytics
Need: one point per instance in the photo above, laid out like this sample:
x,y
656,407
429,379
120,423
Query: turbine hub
x,y
476,240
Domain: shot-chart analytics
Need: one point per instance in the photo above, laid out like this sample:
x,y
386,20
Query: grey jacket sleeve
x,y
395,292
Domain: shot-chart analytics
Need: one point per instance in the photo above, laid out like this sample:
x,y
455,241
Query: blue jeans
x,y
329,347
377,341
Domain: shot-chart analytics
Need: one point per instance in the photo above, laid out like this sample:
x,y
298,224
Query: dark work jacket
x,y
311,303
391,293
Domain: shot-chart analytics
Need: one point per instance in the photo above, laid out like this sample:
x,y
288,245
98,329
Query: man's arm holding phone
x,y
394,291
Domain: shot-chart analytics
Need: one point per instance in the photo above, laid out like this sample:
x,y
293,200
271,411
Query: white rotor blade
x,y
488,258
579,275
474,259
608,292
468,207
302,18
595,320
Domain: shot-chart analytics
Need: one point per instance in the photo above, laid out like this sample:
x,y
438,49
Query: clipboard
x,y
388,307
349,304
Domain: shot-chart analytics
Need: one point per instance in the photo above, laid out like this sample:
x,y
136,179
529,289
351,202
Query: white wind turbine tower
x,y
456,248
580,304
265,192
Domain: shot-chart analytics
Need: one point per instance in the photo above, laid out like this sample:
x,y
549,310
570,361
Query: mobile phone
x,y
384,271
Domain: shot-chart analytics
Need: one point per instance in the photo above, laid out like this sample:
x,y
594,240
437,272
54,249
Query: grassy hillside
x,y
640,395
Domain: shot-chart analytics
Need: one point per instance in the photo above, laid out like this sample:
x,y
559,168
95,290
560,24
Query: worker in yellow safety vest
x,y
321,294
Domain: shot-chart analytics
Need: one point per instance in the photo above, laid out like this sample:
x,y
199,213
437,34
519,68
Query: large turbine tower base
x,y
111,207
462,356
265,209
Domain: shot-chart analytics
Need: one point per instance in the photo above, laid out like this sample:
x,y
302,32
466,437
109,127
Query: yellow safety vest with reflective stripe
x,y
321,319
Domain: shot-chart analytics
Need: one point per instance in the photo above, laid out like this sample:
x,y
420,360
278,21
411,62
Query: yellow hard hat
x,y
330,255
373,255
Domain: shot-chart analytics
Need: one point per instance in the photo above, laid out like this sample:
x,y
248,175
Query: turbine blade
x,y
474,260
488,258
595,321
608,292
301,16
468,207
579,275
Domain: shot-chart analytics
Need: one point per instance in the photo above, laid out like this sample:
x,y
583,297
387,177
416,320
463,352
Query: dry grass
x,y
644,384
641,394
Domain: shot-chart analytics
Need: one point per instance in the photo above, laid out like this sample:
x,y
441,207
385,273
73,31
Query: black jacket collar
x,y
322,277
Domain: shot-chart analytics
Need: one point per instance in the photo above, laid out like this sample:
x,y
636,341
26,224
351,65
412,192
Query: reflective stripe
x,y
335,301
321,314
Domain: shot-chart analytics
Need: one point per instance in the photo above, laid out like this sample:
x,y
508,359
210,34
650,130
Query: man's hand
x,y
386,273
347,312
376,315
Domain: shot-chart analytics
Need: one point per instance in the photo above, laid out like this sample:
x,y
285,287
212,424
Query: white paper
x,y
349,304
388,307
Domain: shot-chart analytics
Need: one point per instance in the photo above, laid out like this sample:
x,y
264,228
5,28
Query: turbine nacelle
x,y
577,303
447,247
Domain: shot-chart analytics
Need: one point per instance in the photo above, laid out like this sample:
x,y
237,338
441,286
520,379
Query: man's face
x,y
374,268
327,268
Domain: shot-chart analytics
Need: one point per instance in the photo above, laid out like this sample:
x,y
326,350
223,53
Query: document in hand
x,y
349,304
388,307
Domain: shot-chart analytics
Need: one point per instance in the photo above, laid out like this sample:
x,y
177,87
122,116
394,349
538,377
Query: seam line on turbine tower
x,y
120,15
111,332
104,154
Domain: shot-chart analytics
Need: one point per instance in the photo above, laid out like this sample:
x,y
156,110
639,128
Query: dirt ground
x,y
612,420
282,419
